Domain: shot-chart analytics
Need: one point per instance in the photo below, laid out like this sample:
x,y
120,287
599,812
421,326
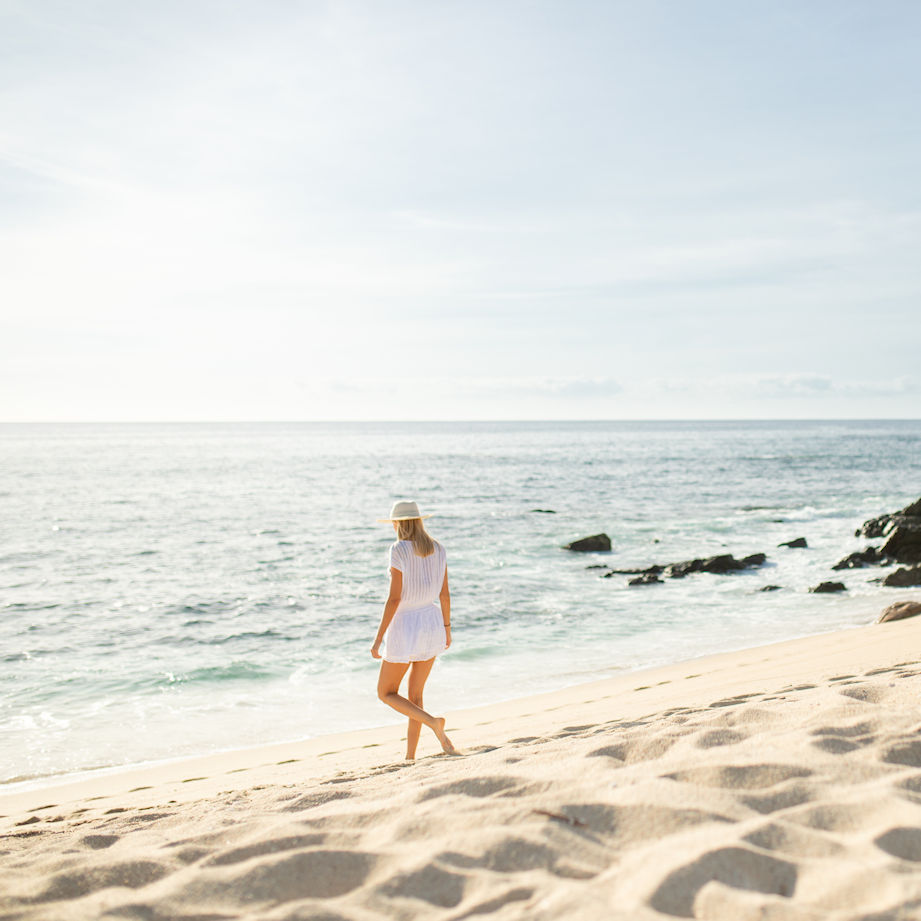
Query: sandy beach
x,y
782,782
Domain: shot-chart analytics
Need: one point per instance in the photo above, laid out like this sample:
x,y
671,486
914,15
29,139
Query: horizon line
x,y
459,421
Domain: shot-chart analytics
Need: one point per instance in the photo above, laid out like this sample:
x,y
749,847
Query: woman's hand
x,y
375,650
447,636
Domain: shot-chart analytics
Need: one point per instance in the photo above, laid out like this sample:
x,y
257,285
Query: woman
x,y
416,621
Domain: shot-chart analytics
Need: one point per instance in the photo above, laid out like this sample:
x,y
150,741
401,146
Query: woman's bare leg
x,y
418,674
388,690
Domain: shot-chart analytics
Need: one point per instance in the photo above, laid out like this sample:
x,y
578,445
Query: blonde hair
x,y
413,529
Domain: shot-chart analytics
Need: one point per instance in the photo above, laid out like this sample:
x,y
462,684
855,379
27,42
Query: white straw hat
x,y
404,511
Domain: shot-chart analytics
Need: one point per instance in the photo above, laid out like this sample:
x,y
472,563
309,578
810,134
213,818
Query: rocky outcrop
x,y
904,544
824,587
723,563
902,578
654,569
797,543
769,588
899,611
879,527
648,578
594,543
903,529
868,557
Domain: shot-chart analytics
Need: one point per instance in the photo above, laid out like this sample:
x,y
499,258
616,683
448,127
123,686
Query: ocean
x,y
170,590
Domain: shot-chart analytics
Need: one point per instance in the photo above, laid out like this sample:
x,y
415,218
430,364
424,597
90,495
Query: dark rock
x,y
868,557
648,578
597,566
797,543
875,527
754,559
680,570
769,588
899,611
902,578
716,564
909,517
595,543
723,563
637,572
543,511
829,587
904,544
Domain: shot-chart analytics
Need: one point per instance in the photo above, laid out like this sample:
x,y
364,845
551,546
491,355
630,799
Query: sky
x,y
435,209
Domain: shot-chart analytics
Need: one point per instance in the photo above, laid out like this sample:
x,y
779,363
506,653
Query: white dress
x,y
417,630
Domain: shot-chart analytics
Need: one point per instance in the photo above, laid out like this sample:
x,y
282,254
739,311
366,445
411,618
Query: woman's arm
x,y
390,608
445,599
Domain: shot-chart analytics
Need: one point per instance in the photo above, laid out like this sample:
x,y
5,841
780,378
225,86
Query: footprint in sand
x,y
741,777
432,884
839,740
261,848
131,874
857,729
871,694
912,785
834,745
518,855
629,824
478,787
755,778
837,817
312,800
481,749
492,905
634,752
908,753
904,843
793,840
796,794
192,854
29,821
716,737
569,731
319,874
99,842
144,817
736,867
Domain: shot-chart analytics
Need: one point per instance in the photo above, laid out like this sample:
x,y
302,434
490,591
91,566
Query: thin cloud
x,y
805,385
561,388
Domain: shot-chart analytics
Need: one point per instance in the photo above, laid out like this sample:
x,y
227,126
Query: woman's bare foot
x,y
446,745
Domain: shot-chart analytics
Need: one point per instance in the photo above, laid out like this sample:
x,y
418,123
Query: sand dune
x,y
778,784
